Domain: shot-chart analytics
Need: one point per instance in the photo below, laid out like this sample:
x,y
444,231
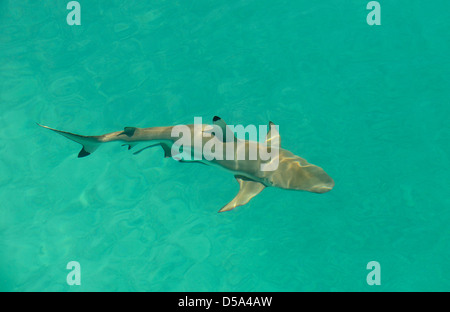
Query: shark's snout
x,y
323,188
322,181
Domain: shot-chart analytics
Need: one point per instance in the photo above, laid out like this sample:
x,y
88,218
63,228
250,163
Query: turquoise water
x,y
369,104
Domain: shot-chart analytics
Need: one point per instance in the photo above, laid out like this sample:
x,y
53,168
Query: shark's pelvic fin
x,y
89,143
144,148
130,145
227,133
248,189
166,148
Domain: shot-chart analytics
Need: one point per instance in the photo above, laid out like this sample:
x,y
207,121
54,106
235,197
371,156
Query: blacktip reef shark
x,y
291,171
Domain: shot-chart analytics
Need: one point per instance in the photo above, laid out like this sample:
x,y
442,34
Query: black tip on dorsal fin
x,y
83,153
273,136
227,133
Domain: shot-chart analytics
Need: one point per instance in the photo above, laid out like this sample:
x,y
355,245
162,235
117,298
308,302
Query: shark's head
x,y
295,173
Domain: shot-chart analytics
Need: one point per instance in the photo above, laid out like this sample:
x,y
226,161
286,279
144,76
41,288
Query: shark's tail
x,y
89,143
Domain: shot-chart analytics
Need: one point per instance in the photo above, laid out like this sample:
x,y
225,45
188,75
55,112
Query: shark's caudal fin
x,y
89,143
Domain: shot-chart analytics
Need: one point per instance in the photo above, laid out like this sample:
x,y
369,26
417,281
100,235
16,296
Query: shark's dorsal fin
x,y
227,133
273,136
247,190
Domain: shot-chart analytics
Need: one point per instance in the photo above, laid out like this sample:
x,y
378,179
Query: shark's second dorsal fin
x,y
227,133
129,131
247,190
273,136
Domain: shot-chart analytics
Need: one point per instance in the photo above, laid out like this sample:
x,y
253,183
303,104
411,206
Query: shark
x,y
290,172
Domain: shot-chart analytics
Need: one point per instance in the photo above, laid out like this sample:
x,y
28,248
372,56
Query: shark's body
x,y
290,172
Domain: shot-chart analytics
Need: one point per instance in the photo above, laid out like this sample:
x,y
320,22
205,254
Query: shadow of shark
x,y
283,170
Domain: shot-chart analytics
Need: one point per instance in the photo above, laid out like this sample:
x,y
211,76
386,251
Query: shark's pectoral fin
x,y
191,162
248,190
